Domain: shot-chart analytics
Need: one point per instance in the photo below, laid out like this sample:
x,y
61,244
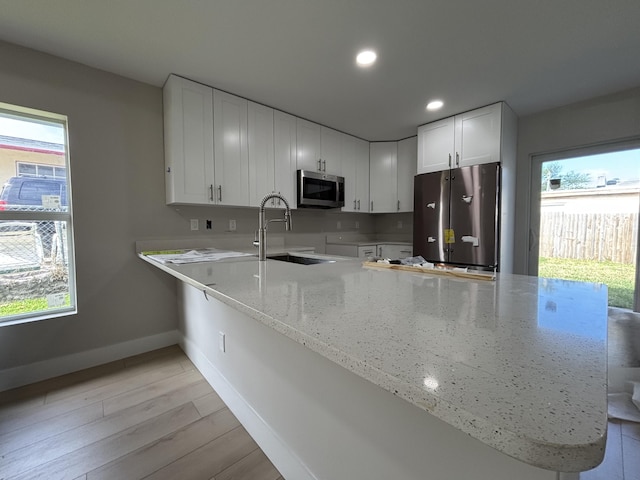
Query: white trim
x,y
289,464
53,367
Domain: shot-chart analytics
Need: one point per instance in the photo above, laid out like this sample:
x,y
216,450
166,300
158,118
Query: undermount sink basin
x,y
300,259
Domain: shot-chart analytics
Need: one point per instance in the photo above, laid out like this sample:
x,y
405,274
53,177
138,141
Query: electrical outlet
x,y
208,226
194,224
232,225
222,344
357,224
399,223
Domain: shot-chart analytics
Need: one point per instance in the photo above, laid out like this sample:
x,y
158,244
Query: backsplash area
x,y
310,226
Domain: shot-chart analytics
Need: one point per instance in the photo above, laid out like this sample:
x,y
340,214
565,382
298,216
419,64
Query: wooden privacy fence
x,y
589,236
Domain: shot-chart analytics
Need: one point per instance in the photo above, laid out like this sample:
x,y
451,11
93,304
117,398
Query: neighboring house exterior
x,y
22,156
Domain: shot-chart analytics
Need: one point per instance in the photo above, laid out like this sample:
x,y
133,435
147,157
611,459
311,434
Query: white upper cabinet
x,y
470,138
308,146
261,153
436,146
383,177
355,170
230,149
407,161
477,136
330,149
284,128
188,142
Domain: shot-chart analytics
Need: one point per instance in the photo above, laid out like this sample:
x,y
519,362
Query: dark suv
x,y
25,193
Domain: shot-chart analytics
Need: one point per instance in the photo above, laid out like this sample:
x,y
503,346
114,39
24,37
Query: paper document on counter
x,y
193,256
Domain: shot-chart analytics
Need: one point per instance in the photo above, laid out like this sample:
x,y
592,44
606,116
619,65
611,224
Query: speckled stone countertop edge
x,y
555,457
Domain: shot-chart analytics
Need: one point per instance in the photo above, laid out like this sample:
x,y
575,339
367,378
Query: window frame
x,y
65,215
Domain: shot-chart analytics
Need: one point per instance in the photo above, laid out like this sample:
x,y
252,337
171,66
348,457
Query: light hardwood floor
x,y
151,416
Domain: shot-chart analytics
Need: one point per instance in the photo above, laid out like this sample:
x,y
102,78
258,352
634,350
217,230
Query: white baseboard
x,y
37,371
289,465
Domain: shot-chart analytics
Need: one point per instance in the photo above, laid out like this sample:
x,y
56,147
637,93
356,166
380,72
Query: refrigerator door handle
x,y
431,240
467,199
431,205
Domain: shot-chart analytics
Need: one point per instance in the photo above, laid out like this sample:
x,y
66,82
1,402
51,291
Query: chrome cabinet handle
x,y
449,160
354,204
358,204
220,192
457,159
324,165
398,205
319,165
372,205
211,192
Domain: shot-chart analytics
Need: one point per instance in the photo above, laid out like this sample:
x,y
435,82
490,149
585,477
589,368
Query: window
x,y
35,170
37,274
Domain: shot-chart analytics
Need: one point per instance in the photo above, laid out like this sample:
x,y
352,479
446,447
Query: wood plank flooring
x,y
151,416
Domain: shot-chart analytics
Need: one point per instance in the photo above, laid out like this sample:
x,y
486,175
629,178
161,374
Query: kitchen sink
x,y
300,259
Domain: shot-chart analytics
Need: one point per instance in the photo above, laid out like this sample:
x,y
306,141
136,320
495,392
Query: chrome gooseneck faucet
x,y
261,237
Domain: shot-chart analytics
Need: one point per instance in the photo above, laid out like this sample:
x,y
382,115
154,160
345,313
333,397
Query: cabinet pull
x,y
457,159
358,204
372,205
211,192
319,165
220,192
449,160
354,204
324,165
398,205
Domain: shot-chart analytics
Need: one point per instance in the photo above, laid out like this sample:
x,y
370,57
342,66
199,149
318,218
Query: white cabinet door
x,y
188,137
436,146
355,170
308,146
477,136
230,146
261,152
331,146
383,177
407,161
284,129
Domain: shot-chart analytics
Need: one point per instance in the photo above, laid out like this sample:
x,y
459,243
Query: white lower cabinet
x,y
395,252
391,251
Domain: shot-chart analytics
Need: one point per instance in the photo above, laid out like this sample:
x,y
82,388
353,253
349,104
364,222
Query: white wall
x,y
599,120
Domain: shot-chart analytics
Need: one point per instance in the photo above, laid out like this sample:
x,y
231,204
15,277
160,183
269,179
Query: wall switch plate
x,y
208,226
232,225
399,223
222,344
194,224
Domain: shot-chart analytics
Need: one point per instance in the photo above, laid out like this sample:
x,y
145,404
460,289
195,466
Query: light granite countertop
x,y
519,363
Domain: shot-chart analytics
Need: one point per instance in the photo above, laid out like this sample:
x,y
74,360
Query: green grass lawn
x,y
619,277
26,306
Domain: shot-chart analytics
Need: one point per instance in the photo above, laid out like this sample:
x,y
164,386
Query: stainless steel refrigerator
x,y
455,217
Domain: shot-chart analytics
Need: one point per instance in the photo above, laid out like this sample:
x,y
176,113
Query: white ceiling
x,y
298,55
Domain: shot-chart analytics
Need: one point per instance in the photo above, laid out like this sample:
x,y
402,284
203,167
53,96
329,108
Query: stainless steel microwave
x,y
320,190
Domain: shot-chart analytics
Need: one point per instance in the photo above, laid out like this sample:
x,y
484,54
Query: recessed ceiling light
x,y
435,105
366,58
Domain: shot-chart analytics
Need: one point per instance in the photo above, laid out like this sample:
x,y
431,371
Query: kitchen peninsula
x,y
345,372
